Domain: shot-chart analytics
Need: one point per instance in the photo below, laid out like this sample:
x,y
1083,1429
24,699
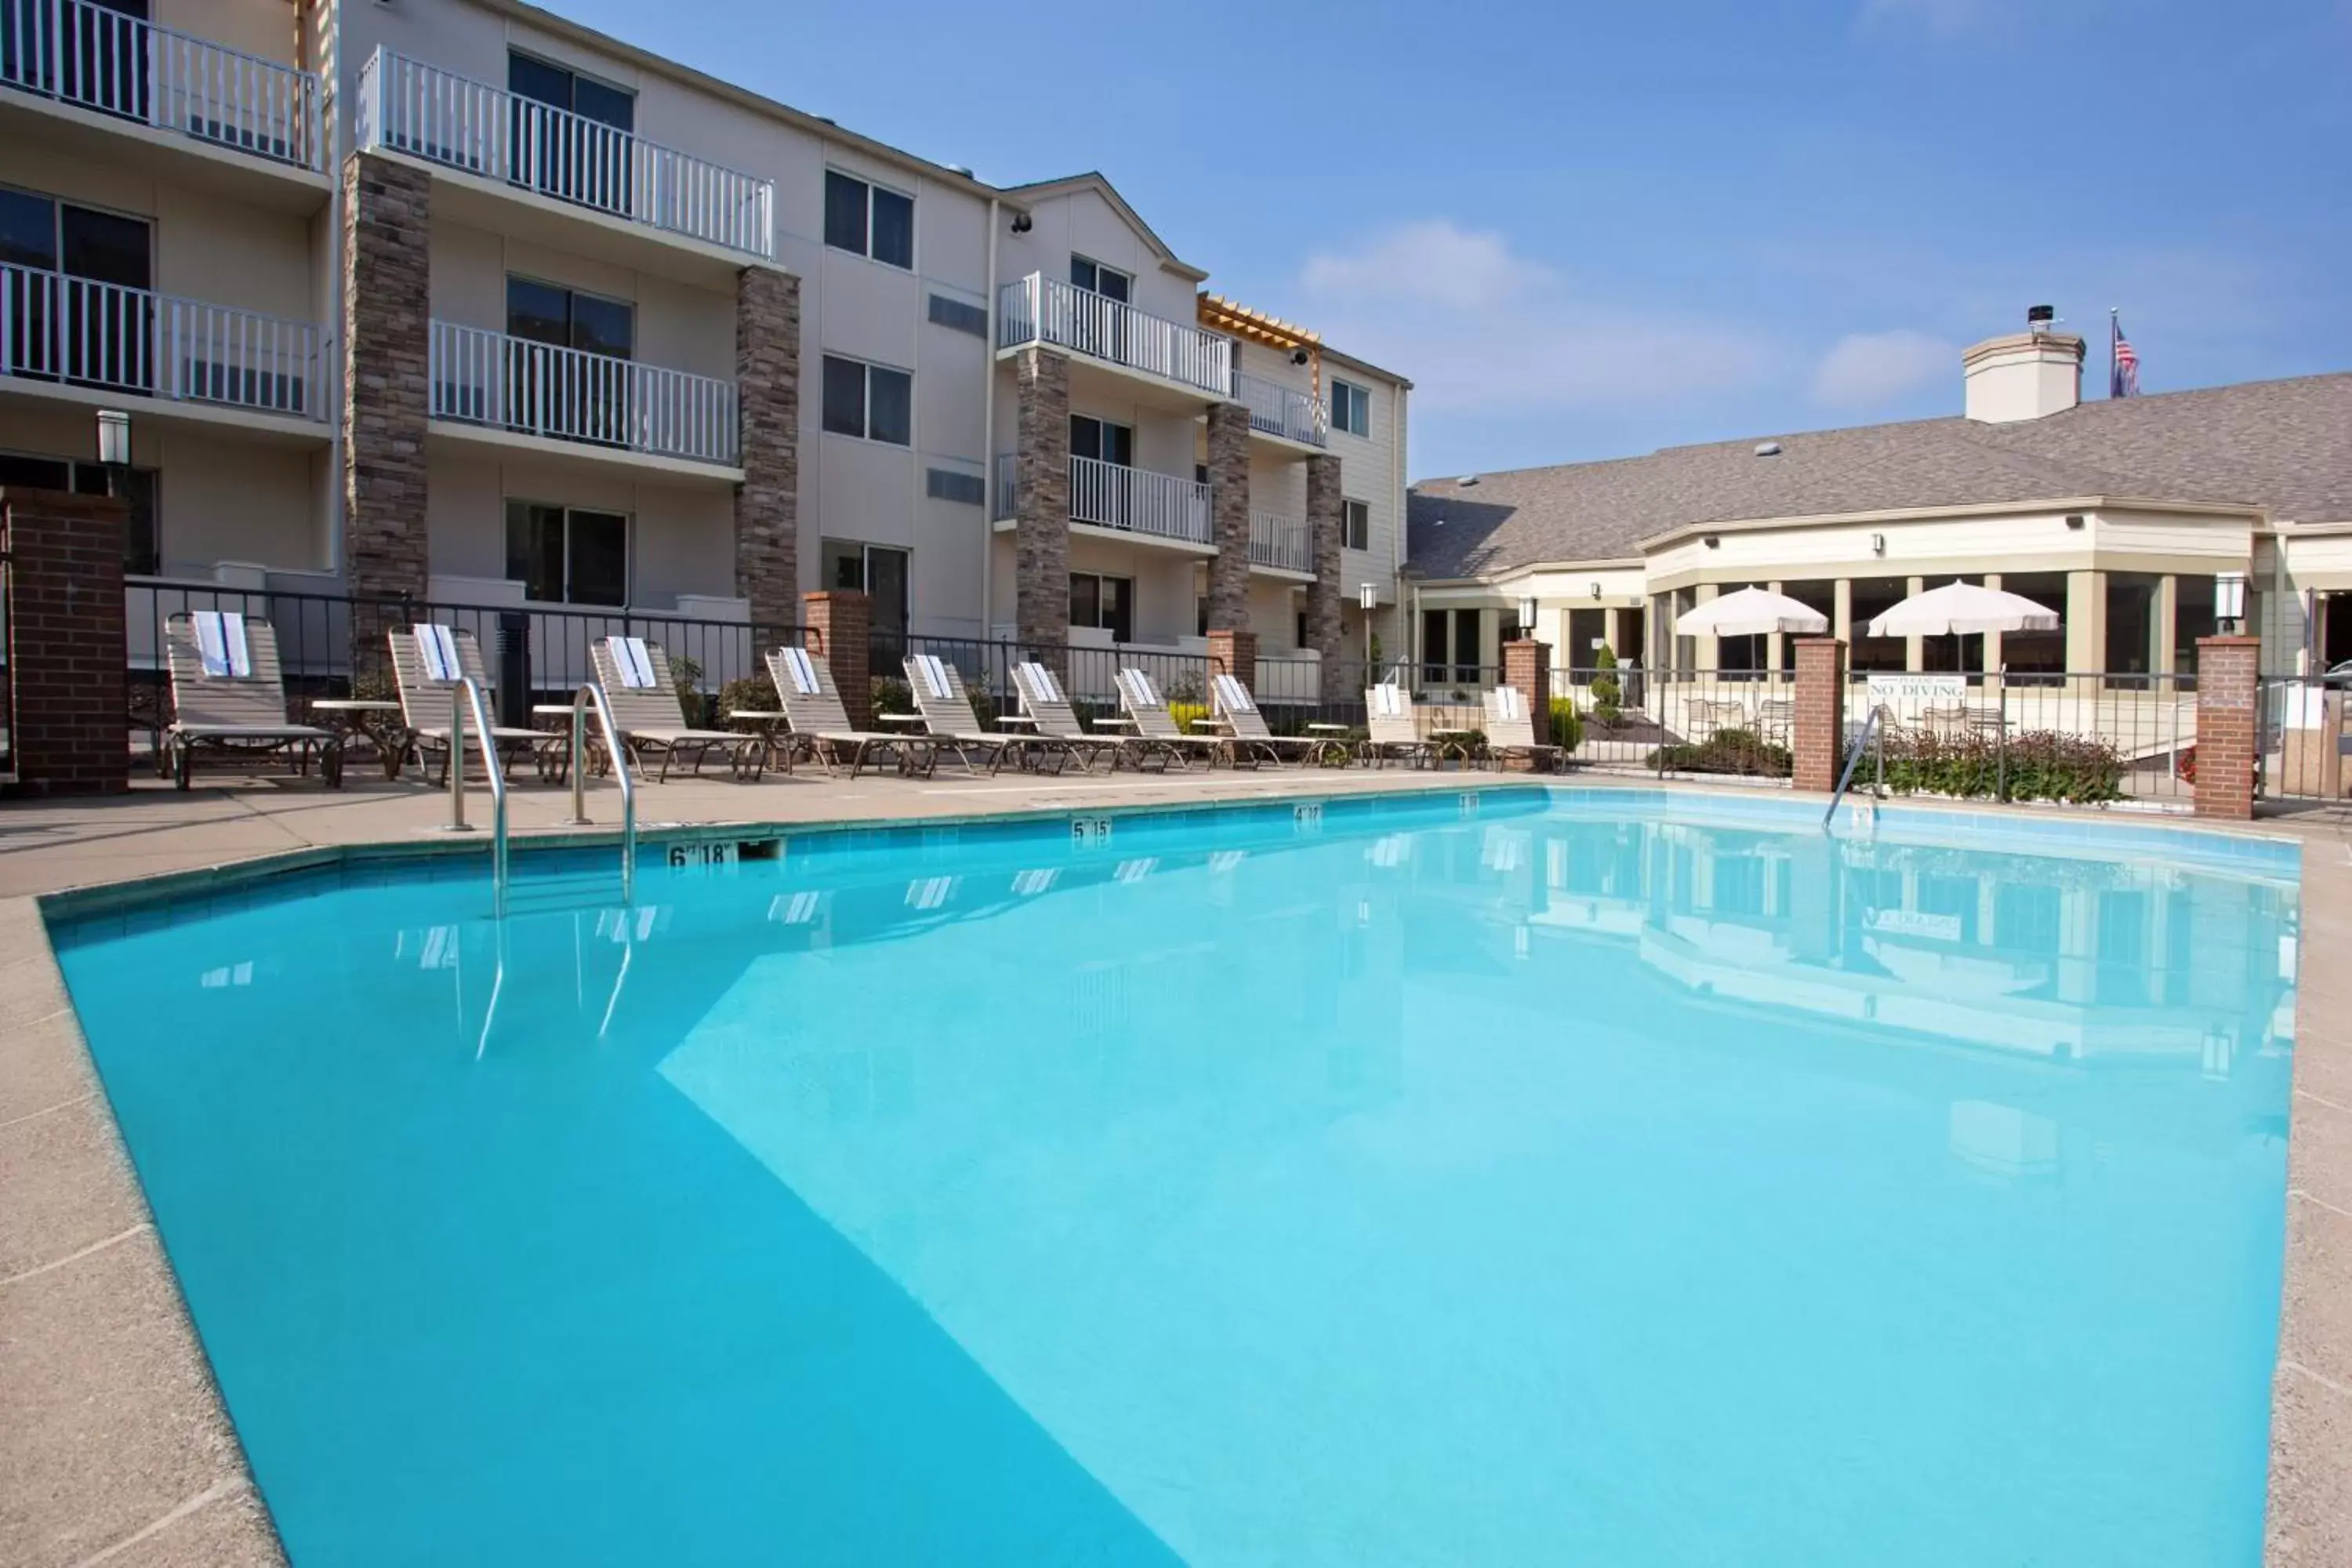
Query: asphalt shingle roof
x,y
2285,445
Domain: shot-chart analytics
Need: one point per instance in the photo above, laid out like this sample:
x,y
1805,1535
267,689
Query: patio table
x,y
374,721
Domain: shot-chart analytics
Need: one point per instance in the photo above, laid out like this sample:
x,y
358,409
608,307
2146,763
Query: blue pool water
x,y
1570,1183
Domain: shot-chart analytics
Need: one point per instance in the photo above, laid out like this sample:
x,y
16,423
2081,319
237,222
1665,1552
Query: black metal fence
x,y
2302,751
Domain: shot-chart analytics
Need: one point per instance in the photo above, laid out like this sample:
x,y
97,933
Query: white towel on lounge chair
x,y
438,645
803,673
635,664
220,643
1388,701
1140,690
1508,703
1042,680
935,675
1233,697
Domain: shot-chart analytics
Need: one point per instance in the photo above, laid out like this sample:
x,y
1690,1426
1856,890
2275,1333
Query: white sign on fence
x,y
1905,691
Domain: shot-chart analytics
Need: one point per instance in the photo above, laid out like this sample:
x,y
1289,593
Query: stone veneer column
x,y
841,626
768,407
1327,591
1820,713
1527,665
387,228
67,653
1229,515
2228,680
1233,651
1040,536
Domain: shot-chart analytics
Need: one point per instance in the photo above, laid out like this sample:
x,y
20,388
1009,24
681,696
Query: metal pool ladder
x,y
466,694
591,693
1870,732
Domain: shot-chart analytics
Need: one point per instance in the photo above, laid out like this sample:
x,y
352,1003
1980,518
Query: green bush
x,y
2044,764
1741,752
750,693
1607,693
892,695
686,674
1184,712
1567,724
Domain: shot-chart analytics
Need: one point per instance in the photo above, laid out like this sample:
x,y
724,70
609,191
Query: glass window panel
x,y
1112,285
1085,436
36,473
844,212
1435,626
539,81
538,312
1083,274
1118,445
103,247
2131,622
1118,605
600,558
890,411
603,326
894,228
1085,600
844,397
28,230
845,567
886,585
2192,617
535,549
604,104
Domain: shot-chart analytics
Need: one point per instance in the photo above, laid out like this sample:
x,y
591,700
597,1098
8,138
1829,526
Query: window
x,y
568,556
1351,408
1452,635
560,87
82,330
1106,604
949,484
591,159
141,548
566,317
1102,440
958,315
1095,279
879,572
869,220
1356,524
871,402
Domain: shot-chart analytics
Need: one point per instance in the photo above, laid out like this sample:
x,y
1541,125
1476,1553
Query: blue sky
x,y
1589,231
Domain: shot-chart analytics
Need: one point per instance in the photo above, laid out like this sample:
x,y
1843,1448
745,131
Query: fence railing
x,y
406,105
55,326
1285,542
99,59
1037,309
510,383
1280,411
2304,741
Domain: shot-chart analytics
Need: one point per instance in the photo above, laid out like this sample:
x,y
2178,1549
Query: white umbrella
x,y
1751,612
1958,608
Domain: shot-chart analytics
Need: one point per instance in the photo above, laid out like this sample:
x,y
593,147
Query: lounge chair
x,y
1390,732
1233,702
228,695
427,660
1155,727
1043,700
812,707
634,676
946,707
1511,731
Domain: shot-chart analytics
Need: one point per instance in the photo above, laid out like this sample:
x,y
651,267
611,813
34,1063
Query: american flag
x,y
2123,362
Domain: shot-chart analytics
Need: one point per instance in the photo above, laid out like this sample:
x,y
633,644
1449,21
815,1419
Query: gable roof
x,y
2282,445
1092,180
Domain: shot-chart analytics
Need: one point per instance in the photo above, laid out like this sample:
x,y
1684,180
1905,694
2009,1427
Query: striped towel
x,y
438,644
1141,692
1388,701
633,662
1233,697
1509,704
803,672
1041,681
934,674
221,645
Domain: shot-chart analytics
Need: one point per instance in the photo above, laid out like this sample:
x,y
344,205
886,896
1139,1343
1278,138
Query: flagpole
x,y
2114,367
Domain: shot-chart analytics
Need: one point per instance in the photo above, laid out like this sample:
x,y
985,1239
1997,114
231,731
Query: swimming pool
x,y
1526,1177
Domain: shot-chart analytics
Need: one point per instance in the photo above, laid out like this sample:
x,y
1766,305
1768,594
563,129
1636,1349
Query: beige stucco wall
x,y
681,540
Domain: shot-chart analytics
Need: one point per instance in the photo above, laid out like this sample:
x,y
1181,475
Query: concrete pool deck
x,y
114,1447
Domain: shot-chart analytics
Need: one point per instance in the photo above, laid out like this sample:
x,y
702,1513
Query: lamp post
x,y
1527,616
1368,599
2229,601
113,447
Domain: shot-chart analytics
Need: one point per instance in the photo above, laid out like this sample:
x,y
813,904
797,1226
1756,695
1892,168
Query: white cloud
x,y
1479,327
1866,369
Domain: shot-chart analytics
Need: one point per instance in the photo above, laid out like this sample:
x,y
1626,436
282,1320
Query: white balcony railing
x,y
408,107
99,58
1279,411
1286,542
1111,495
1037,309
568,394
84,333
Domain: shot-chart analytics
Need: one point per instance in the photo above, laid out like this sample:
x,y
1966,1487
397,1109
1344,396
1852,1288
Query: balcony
x,y
1039,309
1282,544
491,382
91,337
92,57
410,108
1121,500
1279,412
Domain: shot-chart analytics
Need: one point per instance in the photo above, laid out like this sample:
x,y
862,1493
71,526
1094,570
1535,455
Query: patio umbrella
x,y
1751,612
1958,608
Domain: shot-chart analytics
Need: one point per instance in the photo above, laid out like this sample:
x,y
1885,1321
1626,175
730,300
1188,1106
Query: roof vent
x,y
1466,481
963,169
1767,449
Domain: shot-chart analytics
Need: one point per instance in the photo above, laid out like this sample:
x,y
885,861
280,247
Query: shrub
x,y
1567,724
1607,693
1186,688
1184,712
1741,752
686,674
750,693
2043,765
891,695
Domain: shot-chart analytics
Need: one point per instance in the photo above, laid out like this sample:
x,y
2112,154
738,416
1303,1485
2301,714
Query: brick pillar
x,y
1233,652
840,626
1820,739
1527,665
1229,515
67,653
1041,537
2228,680
1329,591
768,404
387,225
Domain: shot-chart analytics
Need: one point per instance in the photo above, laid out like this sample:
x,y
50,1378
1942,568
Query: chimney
x,y
2036,372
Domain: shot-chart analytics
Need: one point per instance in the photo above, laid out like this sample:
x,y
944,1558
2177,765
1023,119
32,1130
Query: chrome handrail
x,y
465,693
593,693
1852,761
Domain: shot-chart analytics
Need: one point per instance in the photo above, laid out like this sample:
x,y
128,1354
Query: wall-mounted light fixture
x,y
1367,596
1878,544
1021,223
1712,542
1596,590
2230,601
114,437
2075,521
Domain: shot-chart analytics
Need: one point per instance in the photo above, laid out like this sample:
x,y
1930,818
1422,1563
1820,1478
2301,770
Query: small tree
x,y
1606,692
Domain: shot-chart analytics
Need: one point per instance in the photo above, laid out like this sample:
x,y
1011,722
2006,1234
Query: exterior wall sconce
x,y
2230,601
1367,596
2075,521
1878,544
1596,590
114,437
1712,542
